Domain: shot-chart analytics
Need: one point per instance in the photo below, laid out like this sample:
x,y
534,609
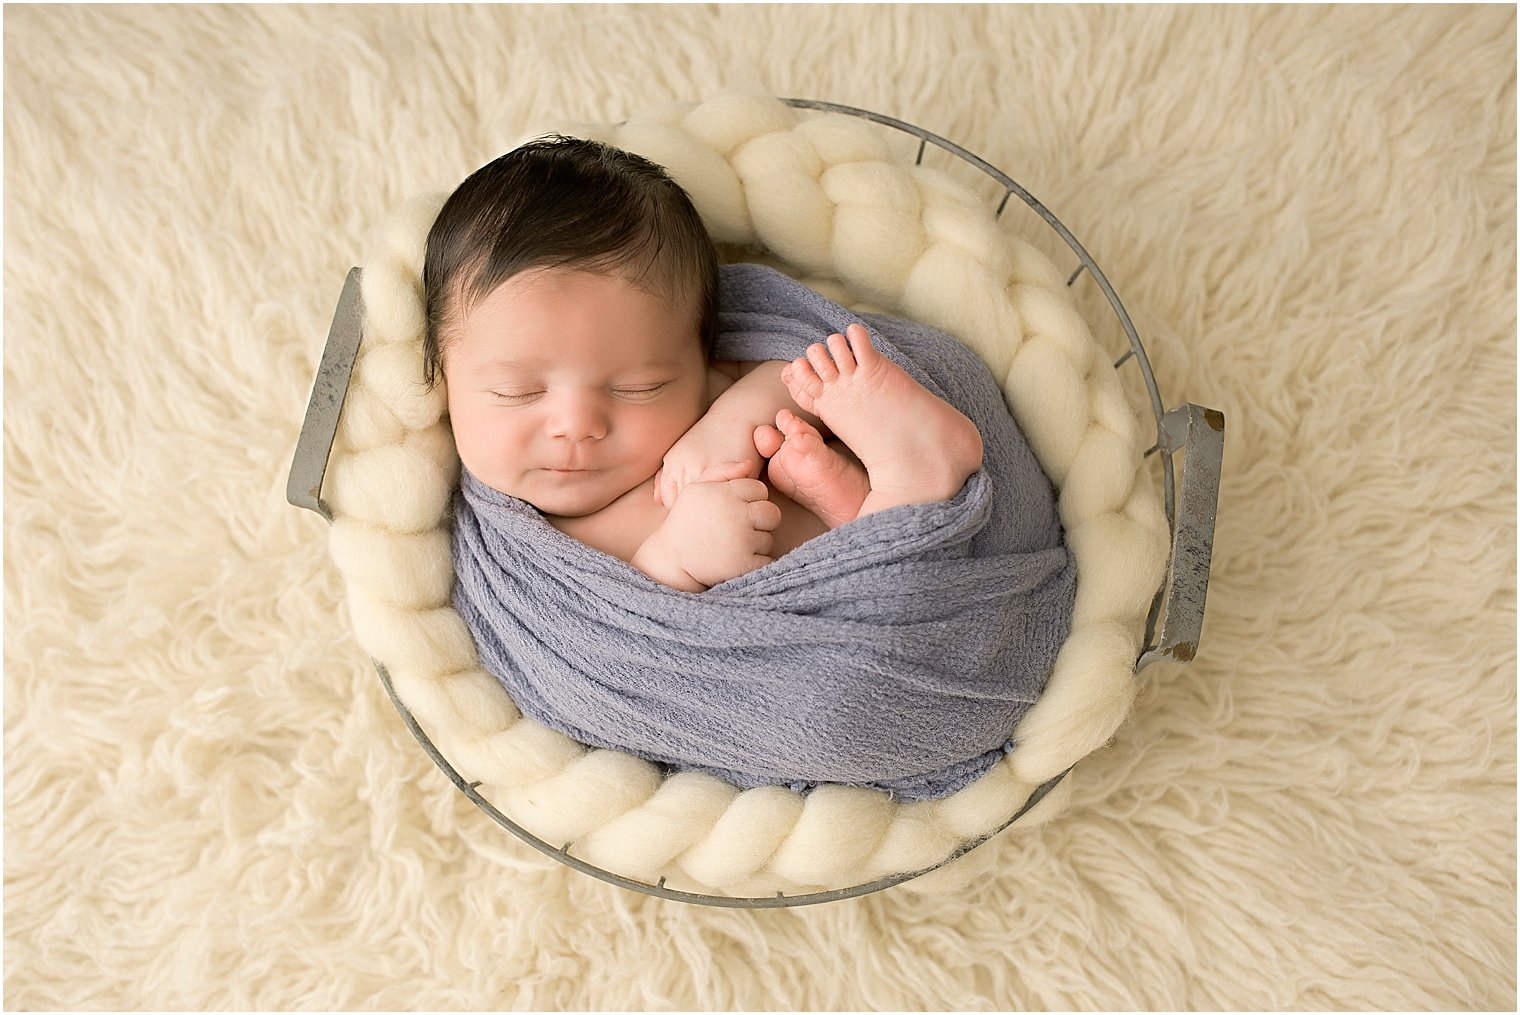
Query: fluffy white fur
x,y
210,802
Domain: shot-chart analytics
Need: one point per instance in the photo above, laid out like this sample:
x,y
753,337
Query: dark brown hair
x,y
562,202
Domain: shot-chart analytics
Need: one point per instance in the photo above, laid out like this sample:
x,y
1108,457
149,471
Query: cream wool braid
x,y
825,195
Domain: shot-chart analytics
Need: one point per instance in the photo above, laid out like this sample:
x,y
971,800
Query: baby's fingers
x,y
670,486
762,544
764,515
749,489
725,472
757,561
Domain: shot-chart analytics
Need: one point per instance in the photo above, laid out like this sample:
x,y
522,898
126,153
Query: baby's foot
x,y
916,447
807,470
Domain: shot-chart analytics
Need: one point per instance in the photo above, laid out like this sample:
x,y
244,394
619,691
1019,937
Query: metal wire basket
x,y
1173,628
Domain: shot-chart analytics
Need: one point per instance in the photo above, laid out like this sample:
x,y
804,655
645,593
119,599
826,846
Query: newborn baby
x,y
852,568
571,295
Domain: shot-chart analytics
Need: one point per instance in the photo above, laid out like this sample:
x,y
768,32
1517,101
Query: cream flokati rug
x,y
209,801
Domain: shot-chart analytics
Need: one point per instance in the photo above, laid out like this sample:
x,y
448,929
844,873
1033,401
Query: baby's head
x,y
569,203
571,296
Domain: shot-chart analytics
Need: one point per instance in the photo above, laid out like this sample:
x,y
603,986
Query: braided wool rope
x,y
824,195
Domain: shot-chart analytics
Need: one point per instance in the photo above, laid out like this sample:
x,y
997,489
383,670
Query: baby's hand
x,y
721,525
710,443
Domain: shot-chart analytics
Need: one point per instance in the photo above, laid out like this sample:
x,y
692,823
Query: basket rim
x,y
1039,793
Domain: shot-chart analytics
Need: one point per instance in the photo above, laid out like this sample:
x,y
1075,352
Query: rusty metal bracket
x,y
320,427
1199,434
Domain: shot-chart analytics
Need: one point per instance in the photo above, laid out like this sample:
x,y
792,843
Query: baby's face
x,y
567,388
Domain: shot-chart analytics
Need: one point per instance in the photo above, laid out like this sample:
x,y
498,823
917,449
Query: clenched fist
x,y
720,527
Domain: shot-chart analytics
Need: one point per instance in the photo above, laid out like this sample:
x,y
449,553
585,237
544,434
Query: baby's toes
x,y
768,440
859,343
794,428
839,349
802,383
822,361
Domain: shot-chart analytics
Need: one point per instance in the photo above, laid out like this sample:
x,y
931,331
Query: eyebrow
x,y
518,364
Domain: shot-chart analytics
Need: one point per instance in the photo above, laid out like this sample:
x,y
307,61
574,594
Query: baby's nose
x,y
578,419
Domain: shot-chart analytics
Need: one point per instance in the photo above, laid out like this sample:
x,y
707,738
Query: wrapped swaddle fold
x,y
896,652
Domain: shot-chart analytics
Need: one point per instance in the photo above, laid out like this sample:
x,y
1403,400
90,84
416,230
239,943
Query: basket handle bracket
x,y
1199,434
320,427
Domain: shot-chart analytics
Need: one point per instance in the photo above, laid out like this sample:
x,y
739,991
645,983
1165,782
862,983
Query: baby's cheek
x,y
465,437
482,449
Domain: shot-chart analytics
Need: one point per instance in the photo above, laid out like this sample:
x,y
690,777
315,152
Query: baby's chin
x,y
575,499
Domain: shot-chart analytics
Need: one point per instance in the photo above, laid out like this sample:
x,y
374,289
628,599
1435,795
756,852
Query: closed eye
x,y
515,397
639,392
